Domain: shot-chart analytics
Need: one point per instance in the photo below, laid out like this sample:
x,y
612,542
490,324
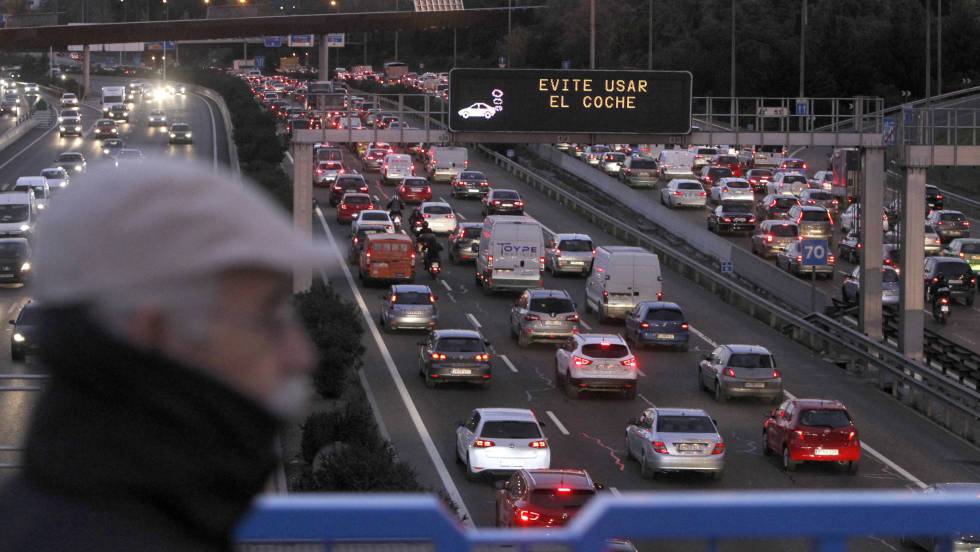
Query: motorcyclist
x,y
417,219
426,238
936,284
432,250
395,206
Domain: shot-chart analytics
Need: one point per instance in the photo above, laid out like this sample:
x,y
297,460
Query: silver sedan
x,y
676,440
683,193
409,307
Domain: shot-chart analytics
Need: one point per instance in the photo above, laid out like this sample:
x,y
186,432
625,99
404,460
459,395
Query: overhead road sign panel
x,y
273,41
336,40
301,41
570,101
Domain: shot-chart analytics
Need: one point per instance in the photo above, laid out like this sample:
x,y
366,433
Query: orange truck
x,y
387,257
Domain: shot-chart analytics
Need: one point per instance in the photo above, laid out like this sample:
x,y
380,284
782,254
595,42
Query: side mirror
x,y
608,276
714,421
486,342
12,321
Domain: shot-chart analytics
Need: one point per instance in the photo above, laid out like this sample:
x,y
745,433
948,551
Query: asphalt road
x,y
903,450
38,150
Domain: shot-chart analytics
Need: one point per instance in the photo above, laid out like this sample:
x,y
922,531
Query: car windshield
x,y
575,245
667,315
684,424
759,173
375,216
52,174
605,350
472,233
970,248
412,298
509,429
551,305
437,210
615,157
825,418
643,164
29,316
460,345
688,186
13,213
552,499
815,216
180,128
889,276
750,360
70,158
471,176
12,250
350,182
951,217
506,195
949,270
707,151
734,207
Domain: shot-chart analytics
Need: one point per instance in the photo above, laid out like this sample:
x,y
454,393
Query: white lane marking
x,y
460,215
214,134
881,457
646,400
290,157
698,333
446,285
548,230
508,363
585,325
615,491
474,321
430,446
557,422
29,146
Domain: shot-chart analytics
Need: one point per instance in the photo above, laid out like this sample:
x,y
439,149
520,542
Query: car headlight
x,y
62,129
105,150
78,128
61,119
125,114
78,167
172,135
188,134
25,267
114,131
25,227
40,206
19,337
63,185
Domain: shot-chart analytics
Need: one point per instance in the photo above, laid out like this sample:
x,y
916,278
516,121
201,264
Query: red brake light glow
x,y
659,447
730,372
564,490
538,444
580,361
719,448
527,515
483,443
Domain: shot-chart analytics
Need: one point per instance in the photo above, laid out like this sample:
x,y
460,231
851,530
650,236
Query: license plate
x,y
825,452
665,336
740,220
553,322
755,385
688,447
416,190
605,368
380,265
460,371
507,205
944,308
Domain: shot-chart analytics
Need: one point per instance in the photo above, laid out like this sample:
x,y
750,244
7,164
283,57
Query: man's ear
x,y
148,328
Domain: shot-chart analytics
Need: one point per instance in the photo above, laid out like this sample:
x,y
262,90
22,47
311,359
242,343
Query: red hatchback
x,y
415,190
812,430
352,204
731,162
543,498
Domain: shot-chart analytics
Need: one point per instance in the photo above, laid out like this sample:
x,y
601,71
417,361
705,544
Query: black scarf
x,y
119,426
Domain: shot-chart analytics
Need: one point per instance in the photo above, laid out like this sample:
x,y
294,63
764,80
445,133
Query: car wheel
x,y
559,379
429,382
459,459
701,385
852,468
470,475
523,340
588,307
717,475
720,395
646,472
630,393
788,463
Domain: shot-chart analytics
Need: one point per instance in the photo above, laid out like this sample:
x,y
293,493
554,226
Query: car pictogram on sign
x,y
479,110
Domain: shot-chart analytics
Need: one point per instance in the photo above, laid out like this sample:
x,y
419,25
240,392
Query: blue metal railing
x,y
827,519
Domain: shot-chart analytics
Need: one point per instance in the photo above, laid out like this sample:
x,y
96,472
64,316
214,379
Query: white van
x,y
622,276
510,254
446,162
37,184
395,167
18,213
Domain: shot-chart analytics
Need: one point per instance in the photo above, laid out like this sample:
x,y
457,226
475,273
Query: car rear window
x,y
794,178
750,360
951,216
816,216
605,350
726,159
552,499
375,216
357,199
889,276
786,202
506,195
551,305
460,345
668,315
953,270
688,186
577,245
330,166
707,151
614,157
643,164
825,417
970,248
437,210
471,176
472,233
819,196
735,207
412,298
719,172
795,164
738,184
760,172
350,182
505,429
684,424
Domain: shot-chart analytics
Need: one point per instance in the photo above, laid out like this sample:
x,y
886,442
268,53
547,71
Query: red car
x,y
415,190
345,184
543,498
812,430
352,204
731,162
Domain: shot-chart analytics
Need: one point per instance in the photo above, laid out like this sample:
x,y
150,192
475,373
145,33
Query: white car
x,y
372,217
69,99
595,362
787,182
732,189
440,217
848,220
682,192
31,88
478,110
57,177
500,441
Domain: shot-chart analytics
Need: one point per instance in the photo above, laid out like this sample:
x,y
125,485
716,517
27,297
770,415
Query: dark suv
x,y
455,355
347,183
775,206
24,340
543,498
15,260
959,276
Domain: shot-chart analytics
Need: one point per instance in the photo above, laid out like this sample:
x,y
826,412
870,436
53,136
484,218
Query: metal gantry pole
x,y
731,91
591,34
510,6
303,206
911,324
869,233
928,50
802,48
650,37
939,47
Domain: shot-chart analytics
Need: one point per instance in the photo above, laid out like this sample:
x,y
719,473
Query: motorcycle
x,y
940,305
397,219
434,268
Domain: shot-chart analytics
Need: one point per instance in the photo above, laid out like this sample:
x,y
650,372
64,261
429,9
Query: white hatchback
x,y
440,217
372,217
500,441
732,189
595,362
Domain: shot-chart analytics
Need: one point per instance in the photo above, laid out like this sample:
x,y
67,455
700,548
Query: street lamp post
x,y
650,37
591,34
802,48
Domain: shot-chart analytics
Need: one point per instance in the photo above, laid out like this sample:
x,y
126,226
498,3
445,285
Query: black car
x,y
24,338
934,198
347,183
15,260
503,202
461,242
470,184
455,355
118,112
959,277
732,216
710,174
776,206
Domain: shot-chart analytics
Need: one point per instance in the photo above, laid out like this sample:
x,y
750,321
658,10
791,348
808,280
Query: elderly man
x,y
175,357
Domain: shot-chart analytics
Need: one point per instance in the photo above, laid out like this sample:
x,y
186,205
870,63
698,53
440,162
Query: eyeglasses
x,y
283,320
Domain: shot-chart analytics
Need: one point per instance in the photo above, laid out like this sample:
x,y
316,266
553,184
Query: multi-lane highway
x,y
902,450
38,150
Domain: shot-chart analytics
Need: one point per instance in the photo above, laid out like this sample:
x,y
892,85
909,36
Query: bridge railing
x,y
828,520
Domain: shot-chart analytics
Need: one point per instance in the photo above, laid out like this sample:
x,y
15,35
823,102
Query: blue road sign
x,y
815,252
273,41
801,107
889,131
727,267
260,62
300,41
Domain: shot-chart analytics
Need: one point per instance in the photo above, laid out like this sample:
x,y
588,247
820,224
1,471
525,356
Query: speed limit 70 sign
x,y
815,252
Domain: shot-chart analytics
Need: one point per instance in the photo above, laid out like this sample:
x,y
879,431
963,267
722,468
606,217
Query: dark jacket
x,y
129,450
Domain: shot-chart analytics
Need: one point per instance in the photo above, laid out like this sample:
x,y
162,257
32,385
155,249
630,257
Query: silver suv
x,y
543,315
813,221
741,370
569,253
595,362
409,307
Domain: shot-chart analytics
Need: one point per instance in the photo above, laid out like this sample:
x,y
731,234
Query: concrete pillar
x,y
86,64
303,205
324,59
911,323
872,199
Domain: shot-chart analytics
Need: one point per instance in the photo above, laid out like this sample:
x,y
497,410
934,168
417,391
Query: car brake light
x,y
450,216
538,444
531,317
730,372
426,215
343,206
482,356
496,202
489,261
702,194
605,296
572,318
659,447
438,356
726,219
519,203
966,223
685,326
719,448
541,262
678,193
799,258
644,325
777,374
483,443
580,361
528,515
660,296
769,238
629,363
800,435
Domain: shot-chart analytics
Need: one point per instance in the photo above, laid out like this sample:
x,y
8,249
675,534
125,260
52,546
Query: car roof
x,y
381,236
470,225
571,236
356,194
820,403
456,332
601,338
679,411
10,198
743,349
495,190
661,305
411,288
522,414
573,478
812,208
732,179
947,211
549,293
777,222
433,204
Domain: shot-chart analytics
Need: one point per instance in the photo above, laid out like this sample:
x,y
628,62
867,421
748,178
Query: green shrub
x,y
353,424
334,328
356,468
